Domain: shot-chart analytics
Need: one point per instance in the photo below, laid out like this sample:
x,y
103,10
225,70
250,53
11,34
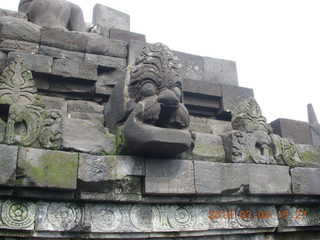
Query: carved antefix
x,y
148,106
17,85
33,126
250,141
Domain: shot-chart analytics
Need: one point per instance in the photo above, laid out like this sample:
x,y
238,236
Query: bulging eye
x,y
148,89
177,92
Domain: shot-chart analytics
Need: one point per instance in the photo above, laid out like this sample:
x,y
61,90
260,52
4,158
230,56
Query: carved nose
x,y
168,97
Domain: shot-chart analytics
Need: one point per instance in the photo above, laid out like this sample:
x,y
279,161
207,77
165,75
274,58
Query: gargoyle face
x,y
159,121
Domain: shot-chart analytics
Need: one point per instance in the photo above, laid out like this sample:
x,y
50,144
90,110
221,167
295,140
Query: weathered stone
x,y
199,127
93,117
309,154
208,147
45,168
2,130
3,61
220,71
169,177
17,215
202,88
85,136
34,62
231,96
126,35
63,85
138,105
33,126
56,14
314,125
135,47
19,29
62,38
8,164
219,127
84,106
60,53
108,47
55,103
44,193
8,13
96,171
247,117
197,119
107,80
305,181
235,178
110,18
17,85
208,177
105,61
9,45
74,69
190,66
269,179
298,131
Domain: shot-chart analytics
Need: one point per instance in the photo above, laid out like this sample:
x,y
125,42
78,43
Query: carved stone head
x,y
154,118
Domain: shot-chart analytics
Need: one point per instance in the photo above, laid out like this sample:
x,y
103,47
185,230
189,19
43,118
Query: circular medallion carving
x,y
302,216
141,216
17,214
106,217
181,217
64,215
245,216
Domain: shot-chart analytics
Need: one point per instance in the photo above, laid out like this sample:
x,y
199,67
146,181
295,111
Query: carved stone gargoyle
x,y
23,120
148,106
251,141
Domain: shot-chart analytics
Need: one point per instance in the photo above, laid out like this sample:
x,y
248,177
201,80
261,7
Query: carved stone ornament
x,y
149,106
33,126
17,85
251,142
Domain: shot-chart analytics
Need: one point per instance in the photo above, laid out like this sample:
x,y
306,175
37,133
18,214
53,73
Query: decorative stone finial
x,y
148,104
315,126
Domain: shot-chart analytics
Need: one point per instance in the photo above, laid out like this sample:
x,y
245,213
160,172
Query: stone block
x,y
106,62
199,127
219,127
93,117
9,13
107,81
85,136
44,194
202,88
34,62
46,168
126,35
269,179
19,29
74,69
197,119
208,147
309,154
8,164
60,53
9,45
135,47
166,176
84,106
3,61
55,103
305,181
64,39
235,178
110,18
208,177
220,71
231,97
96,171
298,131
104,46
65,85
190,66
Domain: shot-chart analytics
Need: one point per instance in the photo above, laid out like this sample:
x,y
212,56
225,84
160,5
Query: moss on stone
x,y
310,157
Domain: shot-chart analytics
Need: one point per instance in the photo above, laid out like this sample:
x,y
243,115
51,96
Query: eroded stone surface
x,y
8,163
45,168
305,181
85,136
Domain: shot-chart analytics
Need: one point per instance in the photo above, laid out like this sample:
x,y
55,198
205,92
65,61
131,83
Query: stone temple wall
x,y
65,175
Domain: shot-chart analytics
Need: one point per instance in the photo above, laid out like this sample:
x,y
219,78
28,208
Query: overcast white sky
x,y
275,43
